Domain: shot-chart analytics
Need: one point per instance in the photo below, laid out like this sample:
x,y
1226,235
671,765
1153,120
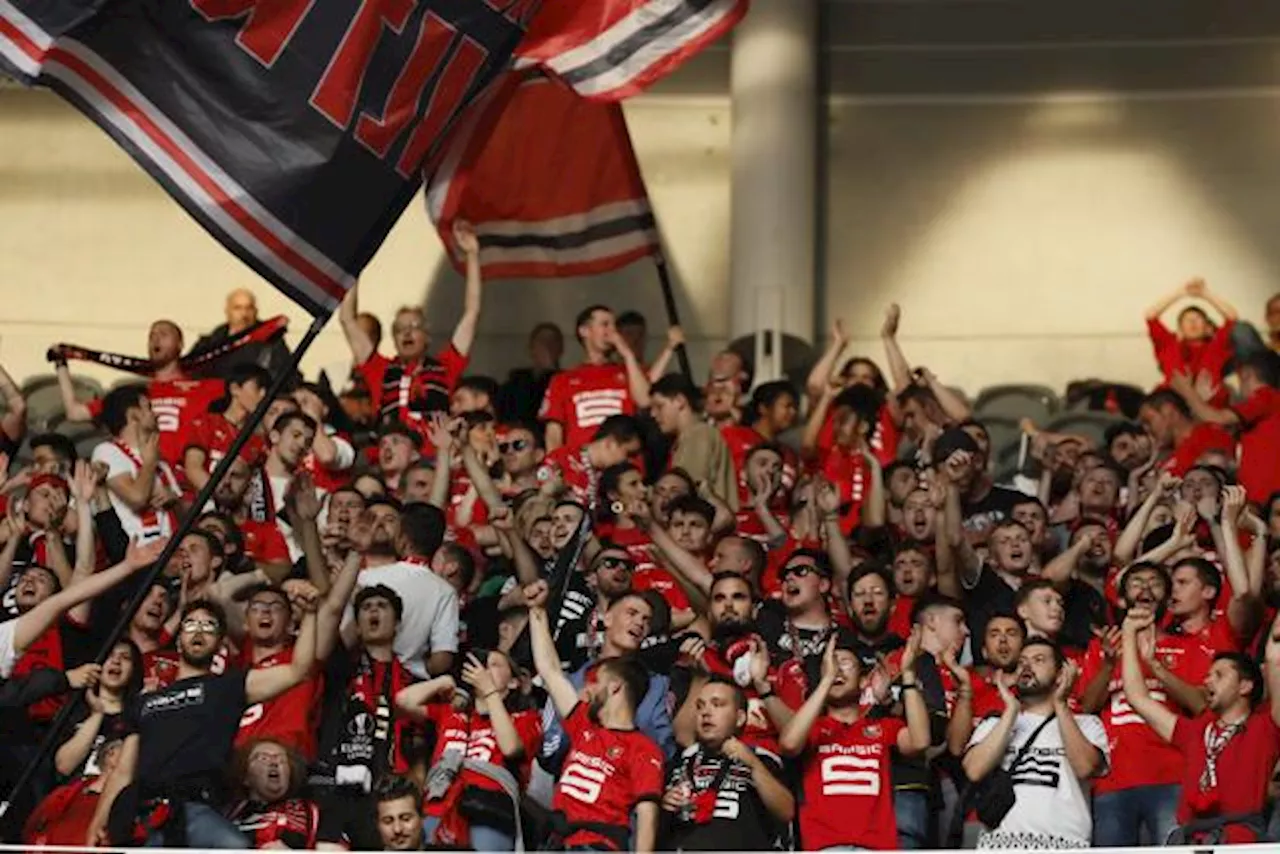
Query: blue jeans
x,y
912,812
1119,816
206,828
482,838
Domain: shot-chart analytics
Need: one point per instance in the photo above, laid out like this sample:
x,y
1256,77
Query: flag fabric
x,y
613,49
295,131
545,204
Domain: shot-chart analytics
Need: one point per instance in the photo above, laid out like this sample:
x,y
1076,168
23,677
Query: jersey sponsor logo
x,y
166,701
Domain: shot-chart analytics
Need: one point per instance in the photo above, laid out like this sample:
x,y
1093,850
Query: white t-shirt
x,y
430,620
1052,809
149,524
8,655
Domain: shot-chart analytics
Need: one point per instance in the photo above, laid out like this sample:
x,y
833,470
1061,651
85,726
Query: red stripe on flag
x,y
20,39
251,224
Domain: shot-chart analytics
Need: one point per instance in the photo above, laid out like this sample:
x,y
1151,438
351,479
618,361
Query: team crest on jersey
x,y
872,731
614,752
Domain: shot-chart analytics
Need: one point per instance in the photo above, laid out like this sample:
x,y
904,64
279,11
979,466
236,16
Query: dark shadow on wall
x,y
512,307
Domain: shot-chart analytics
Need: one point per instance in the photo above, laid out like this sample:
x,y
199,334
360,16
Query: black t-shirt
x,y
991,595
772,625
993,508
726,813
113,727
186,731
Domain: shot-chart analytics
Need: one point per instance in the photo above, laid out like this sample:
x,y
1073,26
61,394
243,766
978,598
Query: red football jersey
x,y
649,574
472,735
1202,439
293,718
848,793
606,773
176,404
849,471
1243,770
883,440
1191,655
213,434
409,393
1260,443
581,398
575,471
759,731
1146,759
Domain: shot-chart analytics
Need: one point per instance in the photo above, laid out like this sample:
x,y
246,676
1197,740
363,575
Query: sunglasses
x,y
616,563
191,627
513,447
799,571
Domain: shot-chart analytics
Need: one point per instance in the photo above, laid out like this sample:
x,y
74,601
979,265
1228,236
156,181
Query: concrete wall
x,y
1021,180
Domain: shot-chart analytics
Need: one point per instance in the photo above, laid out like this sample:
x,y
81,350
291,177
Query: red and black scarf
x,y
193,364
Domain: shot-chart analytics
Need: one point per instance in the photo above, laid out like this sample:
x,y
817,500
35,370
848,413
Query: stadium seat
x,y
1094,395
44,400
1003,432
1037,402
1089,424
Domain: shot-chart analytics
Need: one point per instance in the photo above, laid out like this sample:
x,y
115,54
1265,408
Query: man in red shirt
x,y
1256,418
175,399
577,469
414,384
1199,346
1200,633
580,399
1230,749
847,790
212,434
1144,782
612,769
1179,440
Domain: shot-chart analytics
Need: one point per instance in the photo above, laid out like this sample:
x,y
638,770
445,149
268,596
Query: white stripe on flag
x,y
25,25
565,225
18,58
641,17
633,66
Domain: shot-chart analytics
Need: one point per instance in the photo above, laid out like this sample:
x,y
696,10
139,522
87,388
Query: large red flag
x,y
546,204
543,166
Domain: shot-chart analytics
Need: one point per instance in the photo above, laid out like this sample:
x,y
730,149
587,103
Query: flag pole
x,y
278,383
673,314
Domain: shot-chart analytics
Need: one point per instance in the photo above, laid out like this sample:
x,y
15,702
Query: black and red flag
x,y
296,131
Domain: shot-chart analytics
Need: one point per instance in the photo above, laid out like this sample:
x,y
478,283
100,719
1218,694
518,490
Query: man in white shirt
x,y
397,549
143,488
1051,776
291,437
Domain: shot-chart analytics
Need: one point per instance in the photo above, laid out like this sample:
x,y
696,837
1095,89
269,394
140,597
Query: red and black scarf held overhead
x,y
194,365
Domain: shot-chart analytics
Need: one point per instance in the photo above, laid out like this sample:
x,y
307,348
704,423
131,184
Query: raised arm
x,y
545,658
1160,306
825,368
14,421
84,483
488,696
813,426
442,440
464,334
37,621
1159,718
915,739
412,700
135,489
76,411
952,404
985,756
795,735
637,380
675,340
1130,539
1085,758
329,616
1272,667
1226,309
1244,611
899,367
1185,386
357,339
960,726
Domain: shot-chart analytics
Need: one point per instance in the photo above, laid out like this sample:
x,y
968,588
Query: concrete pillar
x,y
775,122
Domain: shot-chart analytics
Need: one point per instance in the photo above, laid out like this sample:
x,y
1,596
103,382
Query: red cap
x,y
50,480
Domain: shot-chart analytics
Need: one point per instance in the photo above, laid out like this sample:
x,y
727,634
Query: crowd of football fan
x,y
654,615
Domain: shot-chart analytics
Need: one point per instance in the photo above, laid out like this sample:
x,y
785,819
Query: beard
x,y
594,706
871,629
1035,691
725,633
201,661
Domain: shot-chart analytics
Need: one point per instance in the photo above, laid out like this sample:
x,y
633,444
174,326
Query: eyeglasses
x,y
616,563
191,627
515,446
413,326
266,607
